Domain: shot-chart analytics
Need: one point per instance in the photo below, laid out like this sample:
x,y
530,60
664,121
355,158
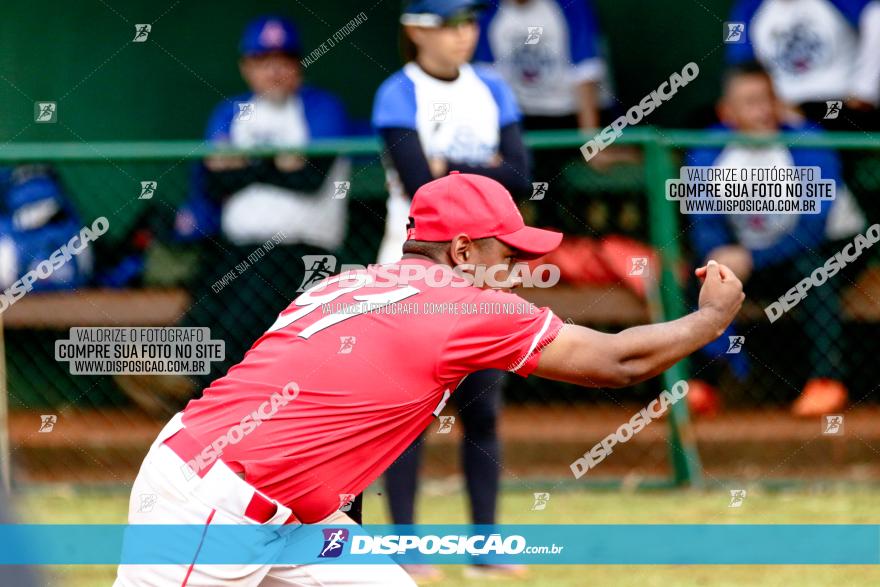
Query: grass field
x,y
440,504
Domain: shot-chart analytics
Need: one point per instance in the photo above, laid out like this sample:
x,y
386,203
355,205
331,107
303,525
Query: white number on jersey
x,y
363,303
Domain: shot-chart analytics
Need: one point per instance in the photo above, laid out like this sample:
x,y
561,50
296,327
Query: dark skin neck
x,y
420,256
496,250
438,260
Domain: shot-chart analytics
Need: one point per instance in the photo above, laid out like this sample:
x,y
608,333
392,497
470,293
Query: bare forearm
x,y
647,351
595,359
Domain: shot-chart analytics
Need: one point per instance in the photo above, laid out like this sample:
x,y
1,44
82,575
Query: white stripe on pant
x,y
220,498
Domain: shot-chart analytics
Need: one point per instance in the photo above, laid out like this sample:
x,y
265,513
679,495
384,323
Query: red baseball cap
x,y
477,206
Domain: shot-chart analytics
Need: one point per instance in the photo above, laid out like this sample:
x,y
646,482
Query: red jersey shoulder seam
x,y
448,336
546,339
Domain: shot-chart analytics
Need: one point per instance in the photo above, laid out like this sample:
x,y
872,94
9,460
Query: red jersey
x,y
351,373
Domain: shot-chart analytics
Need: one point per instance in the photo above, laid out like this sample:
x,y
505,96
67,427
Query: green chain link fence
x,y
105,423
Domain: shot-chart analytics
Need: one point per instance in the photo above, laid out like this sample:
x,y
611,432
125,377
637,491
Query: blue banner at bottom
x,y
441,544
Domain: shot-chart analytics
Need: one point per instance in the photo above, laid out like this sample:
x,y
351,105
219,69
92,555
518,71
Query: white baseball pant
x,y
162,494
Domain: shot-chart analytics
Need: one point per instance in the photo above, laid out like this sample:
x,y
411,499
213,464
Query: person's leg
x,y
401,483
819,318
479,400
161,495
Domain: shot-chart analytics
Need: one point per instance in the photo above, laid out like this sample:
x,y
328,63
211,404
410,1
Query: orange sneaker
x,y
820,396
703,399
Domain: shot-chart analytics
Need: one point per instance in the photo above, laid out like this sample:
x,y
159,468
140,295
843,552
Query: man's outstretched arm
x,y
595,359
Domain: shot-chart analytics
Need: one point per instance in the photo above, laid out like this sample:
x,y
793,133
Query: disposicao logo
x,y
334,542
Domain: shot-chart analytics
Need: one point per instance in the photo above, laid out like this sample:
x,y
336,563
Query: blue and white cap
x,y
433,13
268,33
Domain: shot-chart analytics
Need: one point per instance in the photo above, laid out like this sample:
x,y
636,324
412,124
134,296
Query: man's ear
x,y
461,249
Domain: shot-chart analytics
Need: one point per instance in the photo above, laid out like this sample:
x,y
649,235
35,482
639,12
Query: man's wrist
x,y
712,321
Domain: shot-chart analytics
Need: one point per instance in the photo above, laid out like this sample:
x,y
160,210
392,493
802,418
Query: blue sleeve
x,y
809,233
395,103
851,10
707,231
743,11
407,156
508,110
324,113
483,53
583,30
221,120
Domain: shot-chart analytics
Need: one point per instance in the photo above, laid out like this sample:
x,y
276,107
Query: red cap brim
x,y
531,240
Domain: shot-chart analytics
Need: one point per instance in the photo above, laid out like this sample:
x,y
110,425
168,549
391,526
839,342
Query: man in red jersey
x,y
356,367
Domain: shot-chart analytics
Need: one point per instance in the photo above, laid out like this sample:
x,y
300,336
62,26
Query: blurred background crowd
x,y
442,85
477,77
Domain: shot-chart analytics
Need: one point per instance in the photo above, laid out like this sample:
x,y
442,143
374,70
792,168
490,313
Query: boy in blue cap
x,y
244,202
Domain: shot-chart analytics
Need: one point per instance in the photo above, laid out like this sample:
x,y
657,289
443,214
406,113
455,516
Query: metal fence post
x,y
670,303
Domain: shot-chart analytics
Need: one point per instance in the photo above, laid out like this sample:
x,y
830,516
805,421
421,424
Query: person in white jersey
x,y
439,114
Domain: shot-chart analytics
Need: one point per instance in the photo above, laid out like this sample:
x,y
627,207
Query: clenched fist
x,y
721,295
